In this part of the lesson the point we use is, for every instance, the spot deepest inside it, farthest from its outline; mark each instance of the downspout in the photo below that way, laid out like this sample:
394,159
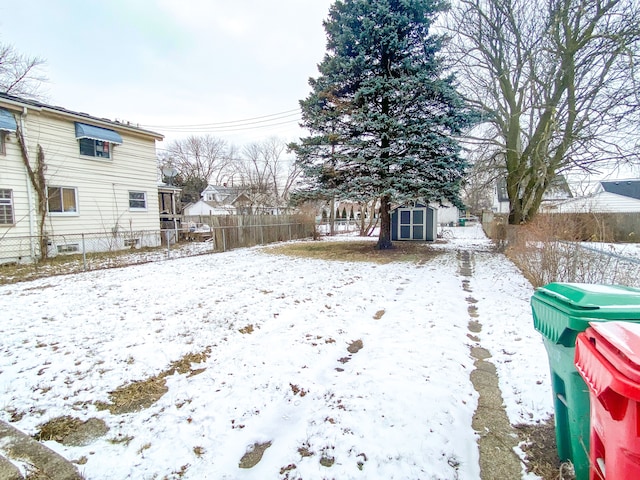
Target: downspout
31,205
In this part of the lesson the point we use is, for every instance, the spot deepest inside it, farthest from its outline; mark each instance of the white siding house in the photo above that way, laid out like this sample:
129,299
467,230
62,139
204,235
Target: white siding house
618,196
222,200
202,208
100,176
447,213
601,202
557,191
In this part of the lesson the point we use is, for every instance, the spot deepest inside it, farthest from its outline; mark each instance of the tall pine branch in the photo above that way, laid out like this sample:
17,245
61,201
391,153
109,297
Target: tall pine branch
384,114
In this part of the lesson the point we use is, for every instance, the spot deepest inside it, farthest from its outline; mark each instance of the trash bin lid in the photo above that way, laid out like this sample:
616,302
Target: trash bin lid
619,343
586,296
560,310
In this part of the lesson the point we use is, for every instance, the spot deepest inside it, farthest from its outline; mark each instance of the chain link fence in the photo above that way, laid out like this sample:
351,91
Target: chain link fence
75,253
543,253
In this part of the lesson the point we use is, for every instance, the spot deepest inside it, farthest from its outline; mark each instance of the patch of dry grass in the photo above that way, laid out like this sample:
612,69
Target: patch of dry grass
183,366
247,329
58,428
252,457
144,393
358,251
68,264
135,396
541,453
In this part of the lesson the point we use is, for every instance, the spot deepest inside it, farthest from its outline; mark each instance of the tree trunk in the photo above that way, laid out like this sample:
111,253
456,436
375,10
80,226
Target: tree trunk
332,216
384,239
42,202
38,181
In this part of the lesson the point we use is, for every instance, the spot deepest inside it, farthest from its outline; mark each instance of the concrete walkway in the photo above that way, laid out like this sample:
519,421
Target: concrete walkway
498,460
41,462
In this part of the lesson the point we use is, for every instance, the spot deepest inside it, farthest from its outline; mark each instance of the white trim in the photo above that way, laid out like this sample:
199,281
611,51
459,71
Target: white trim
8,202
411,224
138,209
69,213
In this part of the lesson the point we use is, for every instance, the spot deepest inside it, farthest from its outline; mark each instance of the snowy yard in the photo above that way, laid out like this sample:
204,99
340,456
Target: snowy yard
347,370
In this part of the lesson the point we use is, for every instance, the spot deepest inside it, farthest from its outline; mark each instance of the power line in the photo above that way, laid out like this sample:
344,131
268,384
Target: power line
232,123
236,129
243,128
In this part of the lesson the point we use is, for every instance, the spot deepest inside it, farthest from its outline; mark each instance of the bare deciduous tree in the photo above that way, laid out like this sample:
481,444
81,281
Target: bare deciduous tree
20,74
199,160
268,171
264,168
557,81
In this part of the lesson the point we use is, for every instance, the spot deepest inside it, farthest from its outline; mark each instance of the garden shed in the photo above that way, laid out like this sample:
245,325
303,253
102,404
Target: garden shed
417,223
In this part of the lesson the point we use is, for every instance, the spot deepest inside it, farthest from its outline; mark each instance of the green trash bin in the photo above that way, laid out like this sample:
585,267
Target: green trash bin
560,312
462,222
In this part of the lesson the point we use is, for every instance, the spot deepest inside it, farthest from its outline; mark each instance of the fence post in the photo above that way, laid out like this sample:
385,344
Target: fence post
290,233
84,255
166,234
224,240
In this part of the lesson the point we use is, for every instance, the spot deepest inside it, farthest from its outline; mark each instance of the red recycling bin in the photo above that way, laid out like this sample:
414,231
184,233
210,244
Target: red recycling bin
608,358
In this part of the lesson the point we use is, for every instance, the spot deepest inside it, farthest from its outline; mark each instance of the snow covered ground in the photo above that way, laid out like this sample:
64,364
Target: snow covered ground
279,370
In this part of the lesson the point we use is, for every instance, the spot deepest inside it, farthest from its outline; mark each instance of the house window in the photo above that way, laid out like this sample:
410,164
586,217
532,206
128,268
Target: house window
137,200
62,200
69,248
6,206
3,139
132,242
95,148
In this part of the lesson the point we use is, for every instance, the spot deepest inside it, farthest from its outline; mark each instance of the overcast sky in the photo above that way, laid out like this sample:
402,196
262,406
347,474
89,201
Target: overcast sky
176,63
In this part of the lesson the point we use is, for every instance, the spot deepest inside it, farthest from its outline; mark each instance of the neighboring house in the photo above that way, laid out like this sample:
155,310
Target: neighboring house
222,194
202,208
100,177
501,202
221,200
626,188
617,196
558,191
448,214
414,222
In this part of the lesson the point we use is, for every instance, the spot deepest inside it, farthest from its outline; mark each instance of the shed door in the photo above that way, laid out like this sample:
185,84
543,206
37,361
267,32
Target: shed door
411,224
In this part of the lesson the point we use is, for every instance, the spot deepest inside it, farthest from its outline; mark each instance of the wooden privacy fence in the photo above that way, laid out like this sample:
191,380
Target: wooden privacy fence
226,232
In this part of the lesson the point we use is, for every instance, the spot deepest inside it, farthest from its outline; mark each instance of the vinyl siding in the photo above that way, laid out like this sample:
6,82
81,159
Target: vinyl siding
13,176
103,185
603,202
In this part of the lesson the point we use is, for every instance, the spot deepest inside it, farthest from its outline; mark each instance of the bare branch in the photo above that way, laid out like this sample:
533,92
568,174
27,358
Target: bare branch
21,75
557,81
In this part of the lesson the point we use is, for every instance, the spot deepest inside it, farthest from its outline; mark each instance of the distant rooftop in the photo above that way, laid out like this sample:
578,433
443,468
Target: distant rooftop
627,188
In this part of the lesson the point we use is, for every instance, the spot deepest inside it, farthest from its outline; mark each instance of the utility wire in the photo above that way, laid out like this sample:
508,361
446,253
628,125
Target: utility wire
239,128
232,123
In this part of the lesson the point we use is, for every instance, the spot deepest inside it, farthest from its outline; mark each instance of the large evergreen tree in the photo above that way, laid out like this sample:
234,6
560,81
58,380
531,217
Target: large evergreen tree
383,114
